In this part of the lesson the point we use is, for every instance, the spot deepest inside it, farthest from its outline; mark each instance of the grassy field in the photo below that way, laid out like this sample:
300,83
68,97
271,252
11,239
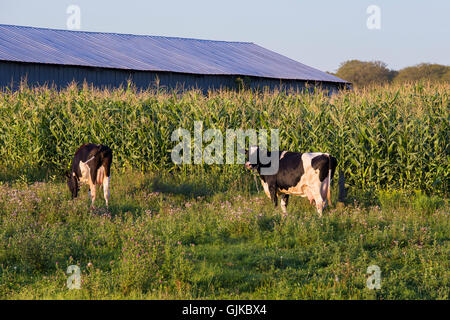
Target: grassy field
204,232
164,238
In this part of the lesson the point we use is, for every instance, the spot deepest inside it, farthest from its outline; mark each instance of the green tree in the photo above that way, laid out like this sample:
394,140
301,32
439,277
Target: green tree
362,73
424,71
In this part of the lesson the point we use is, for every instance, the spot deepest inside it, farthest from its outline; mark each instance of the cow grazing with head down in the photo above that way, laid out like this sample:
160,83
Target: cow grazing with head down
303,174
91,165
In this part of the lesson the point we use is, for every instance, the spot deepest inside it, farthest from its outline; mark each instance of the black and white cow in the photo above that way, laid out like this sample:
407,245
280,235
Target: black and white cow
303,174
91,165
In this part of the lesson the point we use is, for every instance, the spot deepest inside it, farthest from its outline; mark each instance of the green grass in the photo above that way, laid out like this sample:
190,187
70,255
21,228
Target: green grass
211,237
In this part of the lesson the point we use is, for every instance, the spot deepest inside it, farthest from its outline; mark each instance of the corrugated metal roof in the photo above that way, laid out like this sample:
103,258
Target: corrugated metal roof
150,53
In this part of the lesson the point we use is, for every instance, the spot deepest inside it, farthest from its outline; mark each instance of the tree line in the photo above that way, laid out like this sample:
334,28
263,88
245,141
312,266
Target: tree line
363,73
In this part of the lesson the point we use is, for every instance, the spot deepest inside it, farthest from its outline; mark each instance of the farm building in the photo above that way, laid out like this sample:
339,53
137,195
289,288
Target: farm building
58,57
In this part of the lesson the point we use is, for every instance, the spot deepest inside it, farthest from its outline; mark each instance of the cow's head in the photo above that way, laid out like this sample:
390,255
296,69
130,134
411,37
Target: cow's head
261,160
72,183
252,158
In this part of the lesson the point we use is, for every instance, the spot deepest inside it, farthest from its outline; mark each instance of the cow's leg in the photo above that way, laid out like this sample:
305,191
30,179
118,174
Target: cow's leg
315,192
106,189
266,188
319,202
273,195
309,194
324,191
92,192
93,177
284,203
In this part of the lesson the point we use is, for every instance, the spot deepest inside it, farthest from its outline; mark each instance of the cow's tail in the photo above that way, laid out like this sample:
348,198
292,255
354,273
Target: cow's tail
329,181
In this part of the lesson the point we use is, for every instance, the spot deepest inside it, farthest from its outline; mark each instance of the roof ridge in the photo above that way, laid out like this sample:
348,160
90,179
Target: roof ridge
123,34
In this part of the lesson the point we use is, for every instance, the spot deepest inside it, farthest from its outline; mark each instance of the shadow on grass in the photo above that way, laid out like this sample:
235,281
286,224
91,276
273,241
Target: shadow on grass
242,268
193,188
29,175
119,209
187,189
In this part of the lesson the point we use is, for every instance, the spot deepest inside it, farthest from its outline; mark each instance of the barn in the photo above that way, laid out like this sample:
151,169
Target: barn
58,57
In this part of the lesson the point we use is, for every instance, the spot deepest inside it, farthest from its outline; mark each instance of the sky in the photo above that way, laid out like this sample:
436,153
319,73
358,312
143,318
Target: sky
319,33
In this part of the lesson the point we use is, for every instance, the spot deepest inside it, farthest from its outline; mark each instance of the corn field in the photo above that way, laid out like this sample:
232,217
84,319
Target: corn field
383,137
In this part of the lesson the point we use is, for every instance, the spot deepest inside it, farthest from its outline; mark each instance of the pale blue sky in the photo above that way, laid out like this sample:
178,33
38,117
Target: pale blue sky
321,34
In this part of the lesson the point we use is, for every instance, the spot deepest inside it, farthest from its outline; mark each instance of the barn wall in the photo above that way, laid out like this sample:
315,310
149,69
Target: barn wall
11,74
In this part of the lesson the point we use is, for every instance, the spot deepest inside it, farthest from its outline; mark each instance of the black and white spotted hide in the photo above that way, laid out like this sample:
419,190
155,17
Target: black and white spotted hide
91,165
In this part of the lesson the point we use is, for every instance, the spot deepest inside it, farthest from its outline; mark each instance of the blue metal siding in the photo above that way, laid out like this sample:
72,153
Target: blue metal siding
150,53
61,76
